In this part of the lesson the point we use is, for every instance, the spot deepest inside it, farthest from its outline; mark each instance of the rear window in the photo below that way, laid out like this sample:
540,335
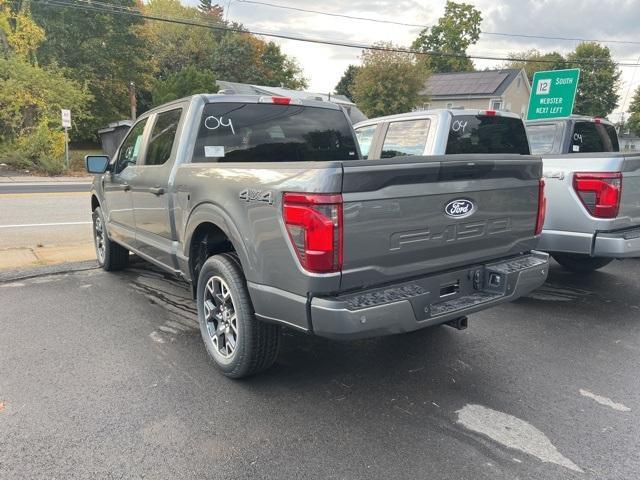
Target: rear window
593,137
258,132
484,134
543,137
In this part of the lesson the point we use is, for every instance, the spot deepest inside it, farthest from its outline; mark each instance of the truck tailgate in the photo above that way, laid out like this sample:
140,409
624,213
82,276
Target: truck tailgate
630,201
395,225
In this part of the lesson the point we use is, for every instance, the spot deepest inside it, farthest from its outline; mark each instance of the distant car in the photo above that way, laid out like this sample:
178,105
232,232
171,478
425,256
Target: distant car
593,192
265,205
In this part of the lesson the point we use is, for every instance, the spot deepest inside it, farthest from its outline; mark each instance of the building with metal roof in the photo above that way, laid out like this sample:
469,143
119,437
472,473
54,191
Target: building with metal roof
506,90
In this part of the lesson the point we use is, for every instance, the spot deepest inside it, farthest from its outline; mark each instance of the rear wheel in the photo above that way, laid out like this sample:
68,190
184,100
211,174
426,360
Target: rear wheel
110,255
581,263
238,343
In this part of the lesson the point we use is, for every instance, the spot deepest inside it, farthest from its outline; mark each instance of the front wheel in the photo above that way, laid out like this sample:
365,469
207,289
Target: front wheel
238,343
110,255
581,263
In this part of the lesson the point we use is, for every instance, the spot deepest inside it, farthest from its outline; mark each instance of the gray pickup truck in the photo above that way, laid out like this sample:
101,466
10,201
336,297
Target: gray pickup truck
593,192
265,205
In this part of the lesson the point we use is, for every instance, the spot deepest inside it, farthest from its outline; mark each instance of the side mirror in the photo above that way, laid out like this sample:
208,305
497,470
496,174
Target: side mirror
96,164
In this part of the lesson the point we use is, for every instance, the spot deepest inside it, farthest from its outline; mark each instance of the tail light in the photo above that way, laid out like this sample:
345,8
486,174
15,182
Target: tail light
489,113
542,208
599,192
314,224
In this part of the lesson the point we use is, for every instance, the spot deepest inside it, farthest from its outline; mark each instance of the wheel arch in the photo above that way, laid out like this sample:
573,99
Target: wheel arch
211,229
95,203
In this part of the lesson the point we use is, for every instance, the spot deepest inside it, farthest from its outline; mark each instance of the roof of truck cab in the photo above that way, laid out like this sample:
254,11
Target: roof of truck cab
570,118
224,98
429,113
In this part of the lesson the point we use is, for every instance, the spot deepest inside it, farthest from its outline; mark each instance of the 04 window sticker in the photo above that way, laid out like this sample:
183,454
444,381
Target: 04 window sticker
213,123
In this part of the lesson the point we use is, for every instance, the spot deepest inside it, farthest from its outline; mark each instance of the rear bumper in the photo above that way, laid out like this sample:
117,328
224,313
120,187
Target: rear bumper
621,244
618,244
427,301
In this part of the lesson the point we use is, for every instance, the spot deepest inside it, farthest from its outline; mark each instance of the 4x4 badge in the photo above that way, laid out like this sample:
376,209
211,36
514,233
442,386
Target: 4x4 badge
250,195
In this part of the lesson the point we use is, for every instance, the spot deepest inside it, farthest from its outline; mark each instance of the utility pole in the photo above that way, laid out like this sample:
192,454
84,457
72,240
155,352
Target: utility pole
132,99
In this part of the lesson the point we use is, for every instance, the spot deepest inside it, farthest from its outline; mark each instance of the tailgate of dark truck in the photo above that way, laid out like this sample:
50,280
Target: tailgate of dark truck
411,216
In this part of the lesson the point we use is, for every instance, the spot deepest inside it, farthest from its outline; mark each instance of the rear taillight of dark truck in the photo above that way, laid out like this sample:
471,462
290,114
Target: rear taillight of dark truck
599,192
314,225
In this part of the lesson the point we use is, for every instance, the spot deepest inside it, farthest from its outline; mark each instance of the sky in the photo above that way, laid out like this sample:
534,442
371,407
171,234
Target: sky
323,65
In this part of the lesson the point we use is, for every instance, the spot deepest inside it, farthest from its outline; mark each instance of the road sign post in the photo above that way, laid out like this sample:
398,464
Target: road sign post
553,93
66,124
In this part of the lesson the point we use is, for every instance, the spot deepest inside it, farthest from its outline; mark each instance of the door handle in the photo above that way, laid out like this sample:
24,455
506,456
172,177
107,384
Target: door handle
157,191
126,187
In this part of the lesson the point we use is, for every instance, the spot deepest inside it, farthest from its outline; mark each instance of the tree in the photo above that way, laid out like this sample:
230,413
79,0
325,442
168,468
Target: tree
599,79
208,8
541,61
104,51
174,46
186,82
633,123
242,57
458,28
31,96
388,82
345,85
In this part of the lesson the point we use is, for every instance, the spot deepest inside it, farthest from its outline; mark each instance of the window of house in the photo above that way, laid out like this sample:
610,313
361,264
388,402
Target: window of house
162,137
405,138
450,105
426,106
496,104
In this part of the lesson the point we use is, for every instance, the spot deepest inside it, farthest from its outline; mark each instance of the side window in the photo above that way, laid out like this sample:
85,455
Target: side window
130,149
542,138
405,138
162,137
365,137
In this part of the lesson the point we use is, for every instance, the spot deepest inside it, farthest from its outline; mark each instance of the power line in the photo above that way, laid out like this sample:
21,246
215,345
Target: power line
102,7
404,24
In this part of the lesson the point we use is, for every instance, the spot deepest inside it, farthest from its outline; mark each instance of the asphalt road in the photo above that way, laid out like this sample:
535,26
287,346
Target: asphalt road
33,219
105,376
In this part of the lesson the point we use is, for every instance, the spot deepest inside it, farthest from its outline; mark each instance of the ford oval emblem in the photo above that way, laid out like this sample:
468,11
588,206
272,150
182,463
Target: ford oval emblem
460,208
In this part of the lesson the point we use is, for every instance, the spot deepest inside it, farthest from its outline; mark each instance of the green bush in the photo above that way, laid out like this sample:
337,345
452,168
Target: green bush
41,150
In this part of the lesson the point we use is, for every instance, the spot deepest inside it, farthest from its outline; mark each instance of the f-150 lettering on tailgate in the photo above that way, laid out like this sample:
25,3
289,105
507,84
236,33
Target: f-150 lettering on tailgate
450,233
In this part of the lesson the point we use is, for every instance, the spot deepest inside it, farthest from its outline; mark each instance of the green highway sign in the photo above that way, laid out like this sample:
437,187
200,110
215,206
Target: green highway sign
553,93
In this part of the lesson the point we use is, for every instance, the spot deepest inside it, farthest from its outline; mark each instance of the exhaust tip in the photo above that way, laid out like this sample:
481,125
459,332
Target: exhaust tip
459,323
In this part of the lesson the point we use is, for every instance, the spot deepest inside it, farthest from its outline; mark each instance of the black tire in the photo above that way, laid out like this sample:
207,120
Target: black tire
581,263
255,343
113,256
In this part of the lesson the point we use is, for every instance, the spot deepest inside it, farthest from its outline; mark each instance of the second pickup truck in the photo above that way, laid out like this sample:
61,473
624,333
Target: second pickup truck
593,192
265,205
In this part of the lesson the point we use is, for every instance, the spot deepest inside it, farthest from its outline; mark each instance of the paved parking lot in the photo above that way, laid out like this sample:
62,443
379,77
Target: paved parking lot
105,376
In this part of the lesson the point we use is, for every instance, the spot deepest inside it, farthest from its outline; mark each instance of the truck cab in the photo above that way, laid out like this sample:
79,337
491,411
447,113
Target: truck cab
443,132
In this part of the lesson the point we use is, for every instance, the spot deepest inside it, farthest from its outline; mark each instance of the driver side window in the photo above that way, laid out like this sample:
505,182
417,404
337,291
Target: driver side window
130,149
